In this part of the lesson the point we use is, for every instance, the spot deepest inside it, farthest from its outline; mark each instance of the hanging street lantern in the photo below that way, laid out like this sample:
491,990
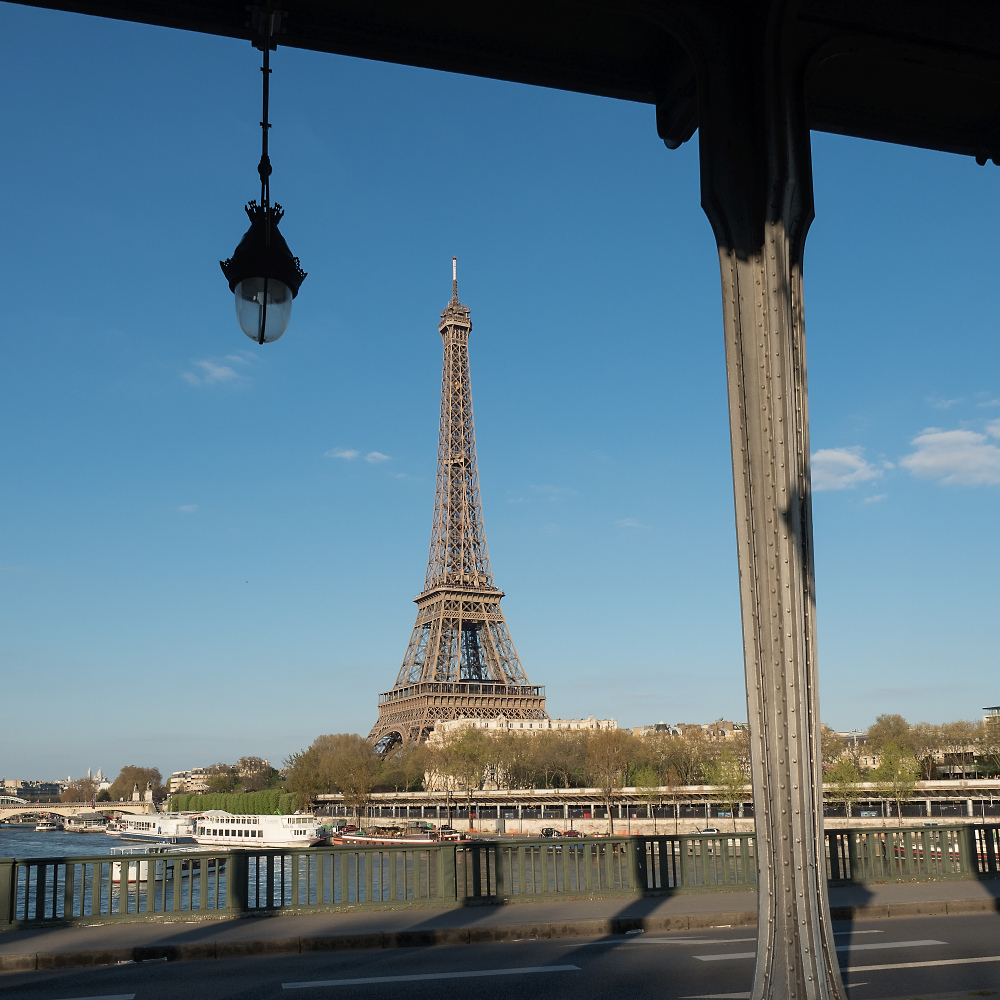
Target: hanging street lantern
262,273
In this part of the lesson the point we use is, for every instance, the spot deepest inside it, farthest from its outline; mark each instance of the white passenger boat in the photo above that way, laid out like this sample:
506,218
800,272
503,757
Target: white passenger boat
47,826
216,828
136,869
165,828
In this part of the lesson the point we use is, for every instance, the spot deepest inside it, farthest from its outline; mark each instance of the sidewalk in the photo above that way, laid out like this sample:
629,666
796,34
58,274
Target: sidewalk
107,944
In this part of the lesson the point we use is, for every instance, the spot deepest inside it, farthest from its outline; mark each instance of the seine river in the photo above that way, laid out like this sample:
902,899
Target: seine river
23,842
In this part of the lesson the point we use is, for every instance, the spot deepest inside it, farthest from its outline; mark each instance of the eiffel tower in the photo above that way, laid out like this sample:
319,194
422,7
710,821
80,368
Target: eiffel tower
460,660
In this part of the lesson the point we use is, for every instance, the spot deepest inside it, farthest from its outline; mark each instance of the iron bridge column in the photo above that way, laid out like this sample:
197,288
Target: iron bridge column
757,192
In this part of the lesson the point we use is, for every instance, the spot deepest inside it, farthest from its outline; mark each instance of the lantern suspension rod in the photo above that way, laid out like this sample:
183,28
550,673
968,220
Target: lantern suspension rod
264,167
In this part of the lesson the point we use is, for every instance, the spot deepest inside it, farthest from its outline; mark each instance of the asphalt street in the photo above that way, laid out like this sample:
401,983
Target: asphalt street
915,957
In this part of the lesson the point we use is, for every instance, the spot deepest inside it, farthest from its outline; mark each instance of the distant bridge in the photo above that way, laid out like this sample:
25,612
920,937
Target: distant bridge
10,806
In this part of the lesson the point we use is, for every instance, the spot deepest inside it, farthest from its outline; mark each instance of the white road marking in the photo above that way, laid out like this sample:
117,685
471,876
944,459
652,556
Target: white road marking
647,941
109,996
719,996
690,941
852,933
924,965
474,974
730,956
887,944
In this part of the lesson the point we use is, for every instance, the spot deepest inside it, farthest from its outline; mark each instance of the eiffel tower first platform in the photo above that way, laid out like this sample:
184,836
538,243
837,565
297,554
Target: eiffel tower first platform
460,660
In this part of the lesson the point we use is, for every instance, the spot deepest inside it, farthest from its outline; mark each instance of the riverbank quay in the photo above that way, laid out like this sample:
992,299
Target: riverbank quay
180,940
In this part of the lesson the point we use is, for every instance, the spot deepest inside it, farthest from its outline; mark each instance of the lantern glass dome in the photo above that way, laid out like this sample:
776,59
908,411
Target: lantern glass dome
263,308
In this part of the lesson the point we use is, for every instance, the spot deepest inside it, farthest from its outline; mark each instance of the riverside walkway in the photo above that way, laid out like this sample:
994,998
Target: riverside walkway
109,944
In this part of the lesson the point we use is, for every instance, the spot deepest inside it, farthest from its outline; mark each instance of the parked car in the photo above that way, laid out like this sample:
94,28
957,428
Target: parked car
548,831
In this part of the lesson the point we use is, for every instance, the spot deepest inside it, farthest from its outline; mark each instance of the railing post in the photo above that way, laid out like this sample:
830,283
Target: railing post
237,881
968,857
499,879
474,856
989,835
8,871
637,848
449,883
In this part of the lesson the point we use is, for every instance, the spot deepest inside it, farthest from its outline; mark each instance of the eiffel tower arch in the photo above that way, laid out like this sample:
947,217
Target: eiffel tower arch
461,660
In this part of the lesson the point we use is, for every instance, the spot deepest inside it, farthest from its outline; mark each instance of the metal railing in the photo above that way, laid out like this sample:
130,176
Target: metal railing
855,857
193,884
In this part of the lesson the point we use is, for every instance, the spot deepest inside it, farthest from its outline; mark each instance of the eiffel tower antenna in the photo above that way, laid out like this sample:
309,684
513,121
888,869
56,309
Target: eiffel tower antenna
460,660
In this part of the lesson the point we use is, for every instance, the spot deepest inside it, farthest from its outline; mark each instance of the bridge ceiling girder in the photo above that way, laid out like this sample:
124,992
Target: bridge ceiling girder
915,72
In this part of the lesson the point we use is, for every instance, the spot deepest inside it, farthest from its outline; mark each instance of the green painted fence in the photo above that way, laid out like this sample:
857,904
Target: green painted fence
192,884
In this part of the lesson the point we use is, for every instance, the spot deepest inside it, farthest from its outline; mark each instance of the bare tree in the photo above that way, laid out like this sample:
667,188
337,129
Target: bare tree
131,777
897,775
81,790
608,755
729,779
255,774
831,745
890,728
222,777
845,777
465,761
989,744
927,743
343,762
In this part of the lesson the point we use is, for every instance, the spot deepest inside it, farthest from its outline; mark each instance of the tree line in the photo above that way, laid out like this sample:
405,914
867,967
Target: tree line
248,774
908,753
129,777
471,759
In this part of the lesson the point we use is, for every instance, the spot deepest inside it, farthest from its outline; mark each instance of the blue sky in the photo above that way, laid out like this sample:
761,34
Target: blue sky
190,573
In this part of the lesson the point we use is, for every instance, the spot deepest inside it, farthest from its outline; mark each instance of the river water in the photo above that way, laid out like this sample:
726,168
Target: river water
23,842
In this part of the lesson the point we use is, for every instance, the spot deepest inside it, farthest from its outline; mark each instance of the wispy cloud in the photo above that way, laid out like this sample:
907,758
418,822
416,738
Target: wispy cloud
988,402
958,458
554,493
940,402
349,454
630,522
188,508
841,469
217,371
878,498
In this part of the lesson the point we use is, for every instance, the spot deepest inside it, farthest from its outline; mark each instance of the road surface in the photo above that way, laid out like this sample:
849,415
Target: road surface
915,957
